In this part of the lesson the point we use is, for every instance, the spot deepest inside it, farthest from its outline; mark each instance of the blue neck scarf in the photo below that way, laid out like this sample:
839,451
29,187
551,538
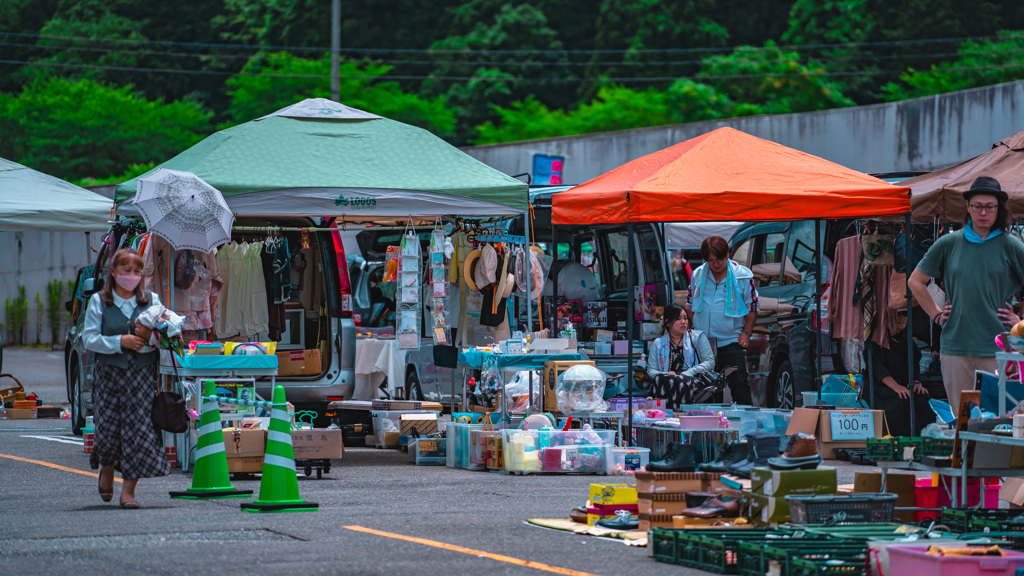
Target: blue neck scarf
734,305
975,238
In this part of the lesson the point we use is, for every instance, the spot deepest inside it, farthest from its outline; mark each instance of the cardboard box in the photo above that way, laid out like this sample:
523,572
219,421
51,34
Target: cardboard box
987,455
688,522
819,423
1012,491
902,485
423,423
552,370
604,494
21,413
299,363
674,482
245,449
768,482
390,439
768,509
655,521
318,443
661,503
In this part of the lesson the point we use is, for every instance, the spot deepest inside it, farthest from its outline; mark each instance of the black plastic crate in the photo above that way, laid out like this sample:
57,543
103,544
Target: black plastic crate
868,507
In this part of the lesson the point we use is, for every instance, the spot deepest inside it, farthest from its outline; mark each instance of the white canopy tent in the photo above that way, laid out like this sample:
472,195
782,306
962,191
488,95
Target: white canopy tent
31,200
685,235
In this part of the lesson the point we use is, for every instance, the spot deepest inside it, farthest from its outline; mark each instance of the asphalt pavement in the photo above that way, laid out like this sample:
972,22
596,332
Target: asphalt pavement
53,521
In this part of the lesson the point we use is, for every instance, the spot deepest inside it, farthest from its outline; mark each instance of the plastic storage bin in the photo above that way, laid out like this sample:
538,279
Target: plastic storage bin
928,496
521,450
460,445
837,399
630,460
378,417
916,560
429,451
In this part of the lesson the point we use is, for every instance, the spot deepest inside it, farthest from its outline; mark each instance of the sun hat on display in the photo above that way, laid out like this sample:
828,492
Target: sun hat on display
486,270
467,270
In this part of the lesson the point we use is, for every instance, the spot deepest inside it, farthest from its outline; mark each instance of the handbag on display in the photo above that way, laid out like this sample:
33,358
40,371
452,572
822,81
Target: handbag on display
168,413
709,378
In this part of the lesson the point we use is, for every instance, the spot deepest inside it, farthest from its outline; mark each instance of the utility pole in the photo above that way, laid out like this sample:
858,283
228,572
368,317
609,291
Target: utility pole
335,50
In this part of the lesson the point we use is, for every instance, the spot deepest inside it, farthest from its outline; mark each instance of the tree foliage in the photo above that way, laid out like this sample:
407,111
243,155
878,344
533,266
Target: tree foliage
272,81
80,128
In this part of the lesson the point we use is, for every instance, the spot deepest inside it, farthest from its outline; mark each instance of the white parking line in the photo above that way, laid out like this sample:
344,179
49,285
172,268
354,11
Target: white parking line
55,439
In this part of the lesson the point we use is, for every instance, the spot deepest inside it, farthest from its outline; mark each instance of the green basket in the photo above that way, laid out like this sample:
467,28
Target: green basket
880,449
941,447
916,442
663,544
996,525
809,567
716,551
961,519
755,557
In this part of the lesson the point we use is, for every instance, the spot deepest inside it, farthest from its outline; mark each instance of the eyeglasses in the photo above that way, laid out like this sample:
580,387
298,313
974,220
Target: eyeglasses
982,208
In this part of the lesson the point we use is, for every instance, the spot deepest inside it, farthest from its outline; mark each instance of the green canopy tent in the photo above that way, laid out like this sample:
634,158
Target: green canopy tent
322,158
31,200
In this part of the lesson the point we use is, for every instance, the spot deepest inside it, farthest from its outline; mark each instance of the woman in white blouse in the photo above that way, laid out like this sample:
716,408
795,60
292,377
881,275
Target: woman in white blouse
124,381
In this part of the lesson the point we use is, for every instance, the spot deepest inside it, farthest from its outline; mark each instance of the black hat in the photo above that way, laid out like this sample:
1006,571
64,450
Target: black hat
986,185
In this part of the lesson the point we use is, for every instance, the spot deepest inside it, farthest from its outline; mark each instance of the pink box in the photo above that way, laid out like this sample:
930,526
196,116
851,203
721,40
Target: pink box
928,496
620,348
916,560
656,404
691,422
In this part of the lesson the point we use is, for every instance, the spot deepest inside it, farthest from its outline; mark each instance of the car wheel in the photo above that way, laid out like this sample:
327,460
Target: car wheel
785,393
412,387
77,404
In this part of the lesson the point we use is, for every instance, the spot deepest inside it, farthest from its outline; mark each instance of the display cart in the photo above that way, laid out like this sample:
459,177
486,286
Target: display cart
233,368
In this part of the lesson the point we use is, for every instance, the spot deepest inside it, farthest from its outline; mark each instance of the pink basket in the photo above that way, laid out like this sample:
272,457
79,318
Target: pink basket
916,560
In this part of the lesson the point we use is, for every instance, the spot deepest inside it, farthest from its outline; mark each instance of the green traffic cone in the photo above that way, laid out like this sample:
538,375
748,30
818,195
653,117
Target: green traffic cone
279,487
210,478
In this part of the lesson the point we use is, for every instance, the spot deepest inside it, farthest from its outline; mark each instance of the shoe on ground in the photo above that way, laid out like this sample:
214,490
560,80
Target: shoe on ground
679,458
623,521
801,453
728,455
714,508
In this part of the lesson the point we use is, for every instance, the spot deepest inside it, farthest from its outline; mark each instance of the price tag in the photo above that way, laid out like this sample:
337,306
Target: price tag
428,445
852,425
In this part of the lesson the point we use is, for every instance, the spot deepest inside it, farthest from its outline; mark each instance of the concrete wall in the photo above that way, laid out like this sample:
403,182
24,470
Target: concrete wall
923,134
33,259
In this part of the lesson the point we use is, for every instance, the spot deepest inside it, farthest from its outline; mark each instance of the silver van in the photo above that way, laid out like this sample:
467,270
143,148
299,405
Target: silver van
322,322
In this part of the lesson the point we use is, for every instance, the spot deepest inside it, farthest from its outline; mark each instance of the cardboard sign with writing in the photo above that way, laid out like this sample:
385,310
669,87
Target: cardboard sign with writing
968,399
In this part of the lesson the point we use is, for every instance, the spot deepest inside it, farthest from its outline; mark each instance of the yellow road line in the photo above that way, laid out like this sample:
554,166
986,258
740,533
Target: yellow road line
56,466
471,552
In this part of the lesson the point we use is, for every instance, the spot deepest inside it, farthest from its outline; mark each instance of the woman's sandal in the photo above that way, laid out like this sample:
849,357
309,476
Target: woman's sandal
108,494
129,504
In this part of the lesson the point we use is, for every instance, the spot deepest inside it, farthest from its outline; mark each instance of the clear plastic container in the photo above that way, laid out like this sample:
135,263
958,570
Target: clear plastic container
545,450
837,399
631,460
460,446
377,417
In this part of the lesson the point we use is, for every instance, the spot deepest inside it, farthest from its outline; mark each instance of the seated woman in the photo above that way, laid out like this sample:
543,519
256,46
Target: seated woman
676,358
892,379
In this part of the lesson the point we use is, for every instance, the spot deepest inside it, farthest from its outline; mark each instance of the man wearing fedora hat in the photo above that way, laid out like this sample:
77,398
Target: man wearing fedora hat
982,268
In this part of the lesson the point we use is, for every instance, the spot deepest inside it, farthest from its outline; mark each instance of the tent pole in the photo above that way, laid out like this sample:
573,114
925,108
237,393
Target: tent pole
911,369
553,320
630,315
529,293
817,311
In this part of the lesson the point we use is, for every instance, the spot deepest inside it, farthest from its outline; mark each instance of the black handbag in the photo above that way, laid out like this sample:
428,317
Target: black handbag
709,378
169,413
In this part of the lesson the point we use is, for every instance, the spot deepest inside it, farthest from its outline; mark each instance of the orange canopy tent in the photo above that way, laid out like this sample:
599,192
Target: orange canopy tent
727,174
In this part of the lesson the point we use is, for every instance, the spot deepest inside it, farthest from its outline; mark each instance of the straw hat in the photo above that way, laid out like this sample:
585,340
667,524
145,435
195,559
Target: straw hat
486,270
467,270
507,281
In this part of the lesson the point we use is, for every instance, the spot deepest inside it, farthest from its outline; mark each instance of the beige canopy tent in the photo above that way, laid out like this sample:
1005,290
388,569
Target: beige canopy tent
939,194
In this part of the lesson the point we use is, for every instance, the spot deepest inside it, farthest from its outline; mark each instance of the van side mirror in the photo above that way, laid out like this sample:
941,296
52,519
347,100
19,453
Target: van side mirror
91,286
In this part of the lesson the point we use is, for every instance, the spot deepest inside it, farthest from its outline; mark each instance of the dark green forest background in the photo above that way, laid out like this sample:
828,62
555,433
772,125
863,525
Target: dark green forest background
100,90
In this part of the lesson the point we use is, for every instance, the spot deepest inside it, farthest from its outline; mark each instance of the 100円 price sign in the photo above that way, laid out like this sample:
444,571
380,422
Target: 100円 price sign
852,425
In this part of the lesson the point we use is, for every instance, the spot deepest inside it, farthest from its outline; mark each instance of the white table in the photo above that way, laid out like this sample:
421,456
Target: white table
377,359
1002,358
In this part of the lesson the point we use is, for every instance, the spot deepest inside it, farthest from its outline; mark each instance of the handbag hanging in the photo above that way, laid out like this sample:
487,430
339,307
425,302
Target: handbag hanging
709,378
168,413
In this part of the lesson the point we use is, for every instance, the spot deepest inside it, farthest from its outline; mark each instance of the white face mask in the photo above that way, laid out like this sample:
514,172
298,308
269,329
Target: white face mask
127,281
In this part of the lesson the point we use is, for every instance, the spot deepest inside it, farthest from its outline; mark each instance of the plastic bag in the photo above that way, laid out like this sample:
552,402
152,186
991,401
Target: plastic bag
581,389
517,391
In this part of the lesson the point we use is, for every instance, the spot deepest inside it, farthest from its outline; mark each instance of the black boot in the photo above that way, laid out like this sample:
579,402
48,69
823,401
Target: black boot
765,446
747,458
679,460
729,454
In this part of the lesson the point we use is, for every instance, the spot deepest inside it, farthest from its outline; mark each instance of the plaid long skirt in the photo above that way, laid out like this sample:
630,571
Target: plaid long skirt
122,416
